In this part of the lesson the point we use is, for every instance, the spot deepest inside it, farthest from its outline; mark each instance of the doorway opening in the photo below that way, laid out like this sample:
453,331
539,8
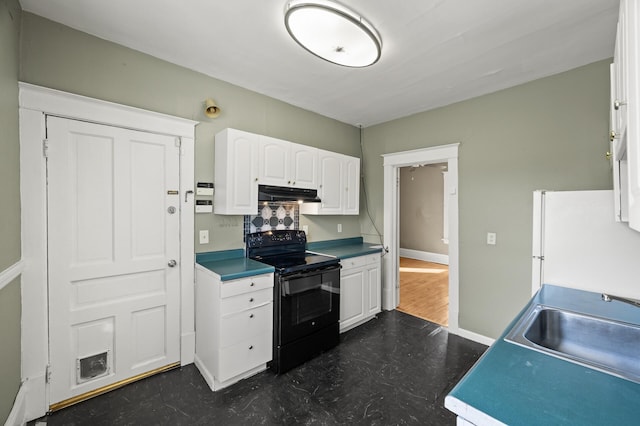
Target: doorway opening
424,249
393,162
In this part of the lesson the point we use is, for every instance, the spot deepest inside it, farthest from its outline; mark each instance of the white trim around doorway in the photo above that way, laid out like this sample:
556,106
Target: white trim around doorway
392,163
35,104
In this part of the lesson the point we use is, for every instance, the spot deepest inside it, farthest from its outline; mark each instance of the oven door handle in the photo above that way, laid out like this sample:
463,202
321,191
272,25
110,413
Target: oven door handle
310,272
288,292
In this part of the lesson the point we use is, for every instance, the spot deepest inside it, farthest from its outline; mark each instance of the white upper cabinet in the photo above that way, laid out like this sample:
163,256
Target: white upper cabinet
351,190
625,115
236,173
304,166
284,163
338,185
330,185
245,160
274,157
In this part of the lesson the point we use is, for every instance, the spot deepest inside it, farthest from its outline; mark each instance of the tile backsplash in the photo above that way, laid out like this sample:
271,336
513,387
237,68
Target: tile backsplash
272,216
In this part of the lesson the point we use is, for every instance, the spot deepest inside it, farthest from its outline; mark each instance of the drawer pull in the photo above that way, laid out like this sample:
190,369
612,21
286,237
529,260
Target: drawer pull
252,284
250,347
251,300
251,316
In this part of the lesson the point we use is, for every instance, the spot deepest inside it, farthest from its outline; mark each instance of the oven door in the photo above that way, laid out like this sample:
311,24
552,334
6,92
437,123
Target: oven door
309,302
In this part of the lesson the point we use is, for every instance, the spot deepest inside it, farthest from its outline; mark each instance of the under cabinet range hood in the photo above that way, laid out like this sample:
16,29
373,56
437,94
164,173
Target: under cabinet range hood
285,193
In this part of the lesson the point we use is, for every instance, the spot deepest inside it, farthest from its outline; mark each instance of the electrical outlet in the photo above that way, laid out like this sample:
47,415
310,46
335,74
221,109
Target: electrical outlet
491,238
204,236
339,227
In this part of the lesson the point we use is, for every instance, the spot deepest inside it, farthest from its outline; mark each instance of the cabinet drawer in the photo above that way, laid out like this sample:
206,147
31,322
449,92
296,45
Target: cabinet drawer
244,356
245,285
244,301
353,262
240,326
356,262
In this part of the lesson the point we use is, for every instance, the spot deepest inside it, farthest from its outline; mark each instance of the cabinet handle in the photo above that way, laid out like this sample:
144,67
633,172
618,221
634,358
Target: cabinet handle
251,300
608,155
256,179
250,347
252,284
612,135
617,104
251,316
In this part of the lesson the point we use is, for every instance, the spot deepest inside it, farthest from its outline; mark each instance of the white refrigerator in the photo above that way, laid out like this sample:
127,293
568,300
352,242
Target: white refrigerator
577,243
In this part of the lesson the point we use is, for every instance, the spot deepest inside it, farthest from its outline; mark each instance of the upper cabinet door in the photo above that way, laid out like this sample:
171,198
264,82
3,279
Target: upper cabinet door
236,173
304,166
275,160
351,185
338,185
330,184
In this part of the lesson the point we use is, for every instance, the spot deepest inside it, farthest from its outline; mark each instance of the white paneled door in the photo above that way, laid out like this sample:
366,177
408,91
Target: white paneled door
114,272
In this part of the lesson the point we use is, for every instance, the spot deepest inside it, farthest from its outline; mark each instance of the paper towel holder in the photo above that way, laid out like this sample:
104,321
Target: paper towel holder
211,109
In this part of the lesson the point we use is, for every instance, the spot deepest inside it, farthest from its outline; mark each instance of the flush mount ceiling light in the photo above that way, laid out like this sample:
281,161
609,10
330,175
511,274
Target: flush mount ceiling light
333,32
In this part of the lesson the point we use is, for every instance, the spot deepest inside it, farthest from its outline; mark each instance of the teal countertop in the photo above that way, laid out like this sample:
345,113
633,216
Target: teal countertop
344,248
231,264
515,385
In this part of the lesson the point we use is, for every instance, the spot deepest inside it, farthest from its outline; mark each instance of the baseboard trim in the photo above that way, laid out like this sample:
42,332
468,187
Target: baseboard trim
11,273
18,414
479,338
443,259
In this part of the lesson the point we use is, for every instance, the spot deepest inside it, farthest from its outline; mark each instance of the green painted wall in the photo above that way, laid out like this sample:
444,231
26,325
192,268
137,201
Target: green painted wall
547,134
80,63
10,13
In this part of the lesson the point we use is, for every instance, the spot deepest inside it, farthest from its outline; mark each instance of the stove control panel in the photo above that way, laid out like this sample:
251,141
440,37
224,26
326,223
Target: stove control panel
276,238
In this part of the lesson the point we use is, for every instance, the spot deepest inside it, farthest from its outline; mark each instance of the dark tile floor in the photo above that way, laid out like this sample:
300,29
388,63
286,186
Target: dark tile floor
394,370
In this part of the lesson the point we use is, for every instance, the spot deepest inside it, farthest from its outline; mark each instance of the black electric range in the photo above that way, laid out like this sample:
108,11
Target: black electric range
306,296
285,250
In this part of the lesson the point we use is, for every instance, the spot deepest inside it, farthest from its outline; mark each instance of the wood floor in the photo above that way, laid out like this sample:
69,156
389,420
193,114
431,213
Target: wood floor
424,290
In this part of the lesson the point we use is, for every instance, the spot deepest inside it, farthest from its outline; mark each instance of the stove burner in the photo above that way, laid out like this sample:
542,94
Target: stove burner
285,250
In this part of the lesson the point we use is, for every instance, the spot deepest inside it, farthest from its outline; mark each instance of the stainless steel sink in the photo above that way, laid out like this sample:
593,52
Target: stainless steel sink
605,345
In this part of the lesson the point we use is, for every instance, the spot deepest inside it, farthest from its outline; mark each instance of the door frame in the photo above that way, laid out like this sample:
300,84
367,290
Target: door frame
392,163
35,103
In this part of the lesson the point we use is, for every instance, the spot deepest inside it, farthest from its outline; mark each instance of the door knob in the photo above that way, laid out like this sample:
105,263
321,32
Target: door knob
172,263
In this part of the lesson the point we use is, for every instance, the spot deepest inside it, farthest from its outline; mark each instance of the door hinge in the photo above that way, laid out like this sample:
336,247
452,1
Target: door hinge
45,148
47,374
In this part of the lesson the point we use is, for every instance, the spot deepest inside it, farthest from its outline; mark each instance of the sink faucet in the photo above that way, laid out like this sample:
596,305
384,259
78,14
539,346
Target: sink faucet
609,298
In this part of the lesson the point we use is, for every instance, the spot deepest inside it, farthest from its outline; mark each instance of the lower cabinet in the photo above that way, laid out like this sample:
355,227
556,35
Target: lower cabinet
234,326
360,292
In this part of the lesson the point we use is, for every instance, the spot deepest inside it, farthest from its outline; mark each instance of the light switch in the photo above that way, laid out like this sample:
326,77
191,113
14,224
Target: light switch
491,238
204,236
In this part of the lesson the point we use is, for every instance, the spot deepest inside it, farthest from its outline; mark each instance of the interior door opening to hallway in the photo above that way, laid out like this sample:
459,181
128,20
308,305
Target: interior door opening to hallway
424,259
392,164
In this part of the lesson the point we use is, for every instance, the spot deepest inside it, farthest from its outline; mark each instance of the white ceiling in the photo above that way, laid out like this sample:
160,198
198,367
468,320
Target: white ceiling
435,52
